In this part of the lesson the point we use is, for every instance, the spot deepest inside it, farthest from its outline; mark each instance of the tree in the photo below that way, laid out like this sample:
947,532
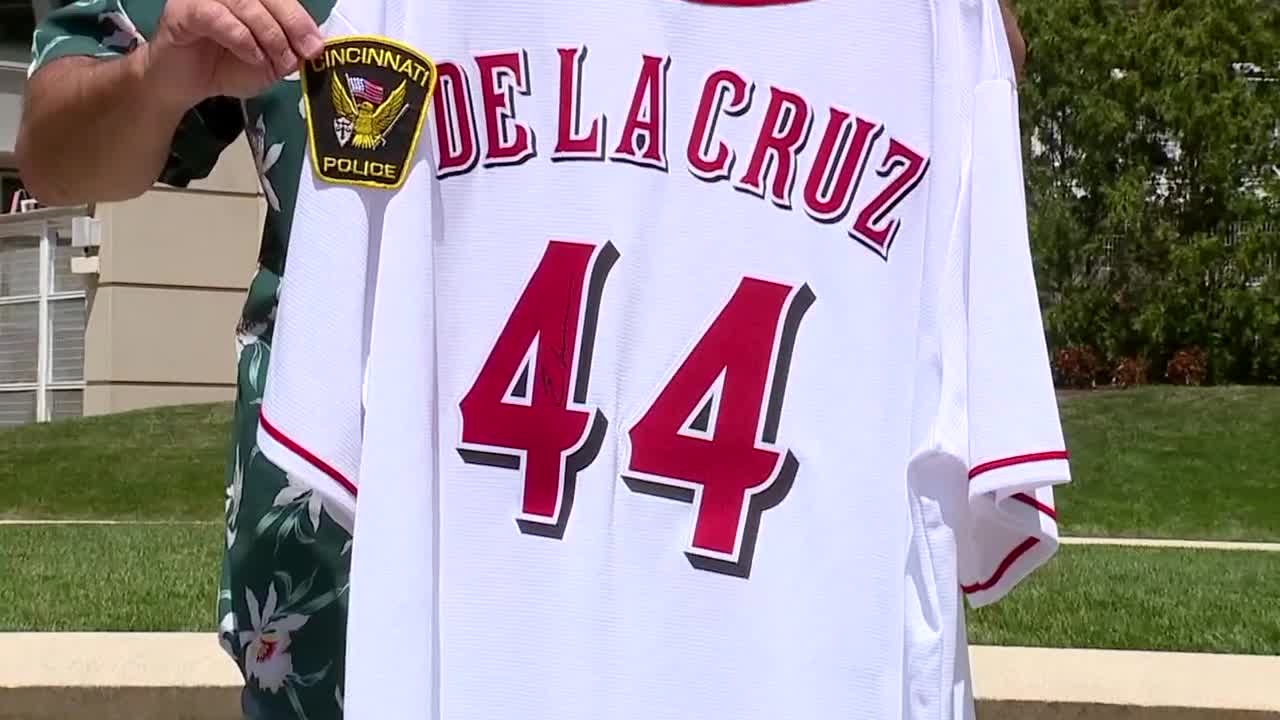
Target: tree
1153,137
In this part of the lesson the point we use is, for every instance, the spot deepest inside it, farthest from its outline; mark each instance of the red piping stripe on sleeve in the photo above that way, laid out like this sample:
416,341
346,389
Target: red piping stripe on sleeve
305,454
746,3
1028,500
1017,460
1024,498
1018,551
1008,562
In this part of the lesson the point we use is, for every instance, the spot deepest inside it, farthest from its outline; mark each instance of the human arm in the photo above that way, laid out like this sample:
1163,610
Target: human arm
91,131
1017,43
100,116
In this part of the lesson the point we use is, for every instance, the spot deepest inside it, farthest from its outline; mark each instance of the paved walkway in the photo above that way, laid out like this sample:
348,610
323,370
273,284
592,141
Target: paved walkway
1162,543
114,660
1128,677
70,662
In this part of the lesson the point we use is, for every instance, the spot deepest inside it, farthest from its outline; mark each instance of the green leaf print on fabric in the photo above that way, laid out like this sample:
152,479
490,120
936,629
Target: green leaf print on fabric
41,52
257,370
235,493
295,513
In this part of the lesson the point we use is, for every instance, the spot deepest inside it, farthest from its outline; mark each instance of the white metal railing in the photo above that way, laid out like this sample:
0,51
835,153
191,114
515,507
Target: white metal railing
47,225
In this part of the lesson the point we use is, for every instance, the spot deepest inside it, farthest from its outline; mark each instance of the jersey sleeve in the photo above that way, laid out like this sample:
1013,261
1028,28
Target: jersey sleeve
107,29
311,423
1001,414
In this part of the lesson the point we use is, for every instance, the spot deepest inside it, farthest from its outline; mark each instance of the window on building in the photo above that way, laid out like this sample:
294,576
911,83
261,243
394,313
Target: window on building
42,325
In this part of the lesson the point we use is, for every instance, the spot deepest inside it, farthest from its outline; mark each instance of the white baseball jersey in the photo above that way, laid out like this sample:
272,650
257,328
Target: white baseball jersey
705,369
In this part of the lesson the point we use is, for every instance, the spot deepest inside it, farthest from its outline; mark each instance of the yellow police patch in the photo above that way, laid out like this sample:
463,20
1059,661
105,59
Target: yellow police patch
366,99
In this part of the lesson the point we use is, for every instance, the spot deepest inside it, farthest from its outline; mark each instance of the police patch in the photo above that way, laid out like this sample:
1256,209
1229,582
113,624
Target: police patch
366,100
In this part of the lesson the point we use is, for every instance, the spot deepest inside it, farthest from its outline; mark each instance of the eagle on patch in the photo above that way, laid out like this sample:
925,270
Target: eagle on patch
365,100
362,116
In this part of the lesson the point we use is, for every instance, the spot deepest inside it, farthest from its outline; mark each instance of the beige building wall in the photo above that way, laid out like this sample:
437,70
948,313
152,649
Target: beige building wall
173,269
174,266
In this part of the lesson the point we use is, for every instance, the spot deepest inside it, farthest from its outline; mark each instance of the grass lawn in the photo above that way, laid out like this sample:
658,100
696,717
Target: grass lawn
1149,462
161,578
123,578
166,463
1190,463
1142,599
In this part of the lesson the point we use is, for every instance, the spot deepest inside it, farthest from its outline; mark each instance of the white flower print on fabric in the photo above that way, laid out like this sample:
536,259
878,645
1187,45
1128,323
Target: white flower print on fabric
125,37
227,633
250,334
265,158
235,492
267,658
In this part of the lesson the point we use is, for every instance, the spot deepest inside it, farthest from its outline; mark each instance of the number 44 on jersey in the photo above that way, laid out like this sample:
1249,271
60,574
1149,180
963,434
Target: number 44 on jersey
707,435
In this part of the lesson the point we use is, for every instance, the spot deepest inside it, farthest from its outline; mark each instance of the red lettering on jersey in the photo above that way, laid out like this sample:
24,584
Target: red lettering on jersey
724,91
455,122
571,143
527,409
745,3
783,133
709,436
502,75
647,117
868,229
837,170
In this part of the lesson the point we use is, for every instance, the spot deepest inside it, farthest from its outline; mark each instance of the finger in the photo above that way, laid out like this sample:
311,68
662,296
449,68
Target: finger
267,32
216,22
299,28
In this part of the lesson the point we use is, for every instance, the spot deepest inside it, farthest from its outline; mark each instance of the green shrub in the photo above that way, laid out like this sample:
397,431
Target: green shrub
1152,137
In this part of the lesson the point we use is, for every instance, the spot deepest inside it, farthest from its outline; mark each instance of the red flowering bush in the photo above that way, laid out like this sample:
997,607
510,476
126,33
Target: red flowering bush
1189,366
1076,367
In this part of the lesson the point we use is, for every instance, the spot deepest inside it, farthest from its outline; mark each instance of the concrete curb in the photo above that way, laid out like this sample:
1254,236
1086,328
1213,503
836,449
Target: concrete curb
1181,544
116,676
1228,685
127,703
186,676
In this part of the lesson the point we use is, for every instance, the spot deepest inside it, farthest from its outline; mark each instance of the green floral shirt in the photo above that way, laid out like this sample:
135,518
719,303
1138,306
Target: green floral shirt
281,608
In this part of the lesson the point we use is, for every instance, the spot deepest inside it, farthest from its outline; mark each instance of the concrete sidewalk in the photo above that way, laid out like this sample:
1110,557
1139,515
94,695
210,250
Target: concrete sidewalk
185,676
1176,544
